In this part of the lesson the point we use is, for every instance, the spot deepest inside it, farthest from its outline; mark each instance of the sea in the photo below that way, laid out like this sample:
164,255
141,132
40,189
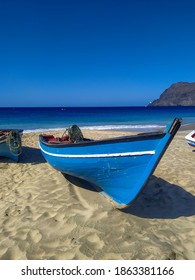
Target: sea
142,119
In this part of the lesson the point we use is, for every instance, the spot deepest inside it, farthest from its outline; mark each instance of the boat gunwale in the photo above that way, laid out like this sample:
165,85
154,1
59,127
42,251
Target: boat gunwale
190,136
3,137
91,142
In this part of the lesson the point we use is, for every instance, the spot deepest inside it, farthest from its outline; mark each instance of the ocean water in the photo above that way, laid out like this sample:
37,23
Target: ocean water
100,118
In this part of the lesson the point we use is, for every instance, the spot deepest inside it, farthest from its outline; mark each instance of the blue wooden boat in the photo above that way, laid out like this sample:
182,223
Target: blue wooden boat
118,167
10,143
191,138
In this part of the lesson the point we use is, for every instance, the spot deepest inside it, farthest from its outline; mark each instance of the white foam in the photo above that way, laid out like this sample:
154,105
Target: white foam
104,127
42,130
123,127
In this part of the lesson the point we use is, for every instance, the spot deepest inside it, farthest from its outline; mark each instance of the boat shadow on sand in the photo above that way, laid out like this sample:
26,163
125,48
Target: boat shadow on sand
159,199
162,200
29,155
80,183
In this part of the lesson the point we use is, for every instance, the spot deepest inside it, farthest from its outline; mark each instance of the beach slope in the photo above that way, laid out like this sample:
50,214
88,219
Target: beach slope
44,216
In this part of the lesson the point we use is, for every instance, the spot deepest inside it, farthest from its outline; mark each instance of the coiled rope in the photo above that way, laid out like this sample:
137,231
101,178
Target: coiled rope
14,142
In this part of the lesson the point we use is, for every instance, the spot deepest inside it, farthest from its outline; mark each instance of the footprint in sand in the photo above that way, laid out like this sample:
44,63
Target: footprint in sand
95,240
35,235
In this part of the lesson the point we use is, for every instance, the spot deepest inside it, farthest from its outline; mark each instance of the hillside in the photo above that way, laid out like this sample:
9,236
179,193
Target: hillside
178,94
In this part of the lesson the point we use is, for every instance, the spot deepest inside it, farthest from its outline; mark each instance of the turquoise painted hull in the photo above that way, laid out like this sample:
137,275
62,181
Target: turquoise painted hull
118,167
7,149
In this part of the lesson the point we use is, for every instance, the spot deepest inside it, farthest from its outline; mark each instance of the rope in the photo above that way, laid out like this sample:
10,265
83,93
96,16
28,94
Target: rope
14,142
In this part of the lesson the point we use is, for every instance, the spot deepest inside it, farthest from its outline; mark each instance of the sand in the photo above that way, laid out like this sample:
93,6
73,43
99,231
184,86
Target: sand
43,216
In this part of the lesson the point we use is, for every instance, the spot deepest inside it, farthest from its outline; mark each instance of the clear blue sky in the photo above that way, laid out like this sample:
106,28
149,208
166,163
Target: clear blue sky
94,52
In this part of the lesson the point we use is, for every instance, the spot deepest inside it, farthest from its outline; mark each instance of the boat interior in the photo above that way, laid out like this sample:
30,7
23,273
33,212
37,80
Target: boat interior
59,140
55,140
2,133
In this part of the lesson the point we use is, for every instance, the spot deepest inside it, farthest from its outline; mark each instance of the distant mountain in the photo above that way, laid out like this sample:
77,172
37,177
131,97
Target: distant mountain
178,94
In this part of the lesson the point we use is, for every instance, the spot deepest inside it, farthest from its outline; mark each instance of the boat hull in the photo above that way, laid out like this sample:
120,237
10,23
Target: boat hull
191,138
10,147
118,167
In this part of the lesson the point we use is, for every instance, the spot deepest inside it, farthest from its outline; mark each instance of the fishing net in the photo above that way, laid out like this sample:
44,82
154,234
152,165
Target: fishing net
14,142
74,133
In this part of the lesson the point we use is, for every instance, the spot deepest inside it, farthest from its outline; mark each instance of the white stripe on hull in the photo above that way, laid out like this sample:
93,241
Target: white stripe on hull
100,155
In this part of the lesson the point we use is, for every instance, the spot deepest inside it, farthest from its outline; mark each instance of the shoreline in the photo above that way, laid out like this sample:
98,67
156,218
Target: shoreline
44,216
136,129
187,127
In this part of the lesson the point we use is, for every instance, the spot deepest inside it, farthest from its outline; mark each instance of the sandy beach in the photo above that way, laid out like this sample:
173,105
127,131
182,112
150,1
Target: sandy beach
43,216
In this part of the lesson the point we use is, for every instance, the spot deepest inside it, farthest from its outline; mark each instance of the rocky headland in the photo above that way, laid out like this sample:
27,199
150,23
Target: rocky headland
178,94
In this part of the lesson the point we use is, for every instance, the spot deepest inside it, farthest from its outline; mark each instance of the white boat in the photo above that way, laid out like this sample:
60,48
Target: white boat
191,138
